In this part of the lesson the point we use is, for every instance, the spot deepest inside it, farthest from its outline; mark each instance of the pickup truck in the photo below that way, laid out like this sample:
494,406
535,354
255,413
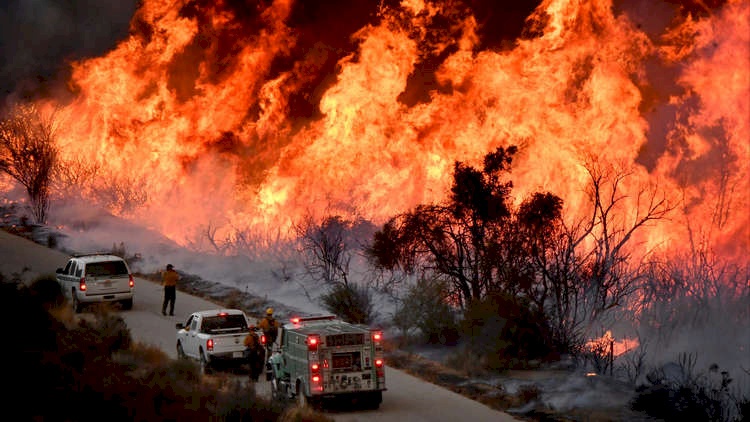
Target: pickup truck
214,338
323,358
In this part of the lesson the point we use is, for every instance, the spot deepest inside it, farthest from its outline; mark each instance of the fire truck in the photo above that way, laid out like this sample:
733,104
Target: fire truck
322,358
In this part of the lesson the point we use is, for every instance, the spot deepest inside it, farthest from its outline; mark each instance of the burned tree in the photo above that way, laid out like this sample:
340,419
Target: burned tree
29,155
587,270
328,248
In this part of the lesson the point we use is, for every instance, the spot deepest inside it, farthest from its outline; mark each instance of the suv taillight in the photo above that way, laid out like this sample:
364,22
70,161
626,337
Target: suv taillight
263,339
131,282
82,284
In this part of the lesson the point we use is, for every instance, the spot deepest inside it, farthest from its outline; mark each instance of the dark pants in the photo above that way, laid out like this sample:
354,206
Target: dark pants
170,292
256,360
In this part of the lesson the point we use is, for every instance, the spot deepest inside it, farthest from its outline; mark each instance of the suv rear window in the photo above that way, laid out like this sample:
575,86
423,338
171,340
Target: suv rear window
224,323
106,268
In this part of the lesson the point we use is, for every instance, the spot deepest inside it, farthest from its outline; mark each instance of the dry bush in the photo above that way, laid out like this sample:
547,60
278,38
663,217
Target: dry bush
352,302
426,311
505,333
306,414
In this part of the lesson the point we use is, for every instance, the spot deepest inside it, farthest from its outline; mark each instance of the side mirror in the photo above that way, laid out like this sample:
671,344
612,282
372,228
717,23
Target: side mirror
179,326
59,271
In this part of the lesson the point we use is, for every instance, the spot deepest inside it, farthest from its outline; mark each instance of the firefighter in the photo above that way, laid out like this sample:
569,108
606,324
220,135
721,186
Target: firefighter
254,353
270,328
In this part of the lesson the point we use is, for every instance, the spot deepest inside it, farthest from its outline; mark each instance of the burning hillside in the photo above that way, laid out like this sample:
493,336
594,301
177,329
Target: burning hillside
249,115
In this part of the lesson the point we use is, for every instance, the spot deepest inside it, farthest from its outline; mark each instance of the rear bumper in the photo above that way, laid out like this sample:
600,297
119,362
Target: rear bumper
235,357
109,297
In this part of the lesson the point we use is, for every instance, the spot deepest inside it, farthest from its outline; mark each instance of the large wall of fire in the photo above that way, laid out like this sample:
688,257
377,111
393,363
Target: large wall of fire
251,115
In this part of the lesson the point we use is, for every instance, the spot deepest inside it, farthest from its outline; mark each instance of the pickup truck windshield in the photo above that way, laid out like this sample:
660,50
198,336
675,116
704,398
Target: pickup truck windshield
225,323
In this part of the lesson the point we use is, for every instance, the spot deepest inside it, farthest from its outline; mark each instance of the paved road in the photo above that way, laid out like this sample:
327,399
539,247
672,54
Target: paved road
407,398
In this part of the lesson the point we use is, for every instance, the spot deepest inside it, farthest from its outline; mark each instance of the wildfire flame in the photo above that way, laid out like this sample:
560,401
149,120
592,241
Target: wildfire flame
200,106
608,344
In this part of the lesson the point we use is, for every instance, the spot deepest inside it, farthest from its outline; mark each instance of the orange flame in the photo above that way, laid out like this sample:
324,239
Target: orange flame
204,125
607,343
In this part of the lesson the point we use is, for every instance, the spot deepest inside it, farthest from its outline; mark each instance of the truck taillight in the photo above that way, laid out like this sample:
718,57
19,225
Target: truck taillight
82,284
210,344
380,371
263,339
131,282
315,377
312,343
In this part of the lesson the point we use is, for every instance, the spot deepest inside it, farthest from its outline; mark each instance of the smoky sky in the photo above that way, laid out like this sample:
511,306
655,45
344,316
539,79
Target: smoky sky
38,38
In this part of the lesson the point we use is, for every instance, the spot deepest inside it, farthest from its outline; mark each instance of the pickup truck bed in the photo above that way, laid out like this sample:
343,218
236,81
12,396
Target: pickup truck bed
215,338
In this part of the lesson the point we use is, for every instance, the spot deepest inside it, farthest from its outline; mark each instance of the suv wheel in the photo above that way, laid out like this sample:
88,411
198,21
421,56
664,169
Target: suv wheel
77,306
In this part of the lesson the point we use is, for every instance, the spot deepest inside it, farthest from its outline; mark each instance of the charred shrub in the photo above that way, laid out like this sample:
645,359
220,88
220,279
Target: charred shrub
351,302
505,332
425,308
675,392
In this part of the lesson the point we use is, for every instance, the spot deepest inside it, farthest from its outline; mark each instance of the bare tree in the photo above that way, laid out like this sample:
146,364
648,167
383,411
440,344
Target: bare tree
75,177
584,271
28,153
612,274
326,249
122,194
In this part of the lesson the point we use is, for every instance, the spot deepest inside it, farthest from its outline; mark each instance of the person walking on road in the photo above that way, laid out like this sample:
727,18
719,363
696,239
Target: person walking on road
169,280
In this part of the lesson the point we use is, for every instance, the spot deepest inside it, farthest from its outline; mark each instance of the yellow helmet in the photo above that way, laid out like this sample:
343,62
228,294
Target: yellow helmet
269,311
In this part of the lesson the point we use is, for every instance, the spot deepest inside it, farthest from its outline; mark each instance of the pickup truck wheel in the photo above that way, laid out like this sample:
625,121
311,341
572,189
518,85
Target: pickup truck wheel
205,366
127,304
180,352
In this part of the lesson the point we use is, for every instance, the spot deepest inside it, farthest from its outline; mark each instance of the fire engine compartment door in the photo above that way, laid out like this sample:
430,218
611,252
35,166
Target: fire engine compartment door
346,362
348,374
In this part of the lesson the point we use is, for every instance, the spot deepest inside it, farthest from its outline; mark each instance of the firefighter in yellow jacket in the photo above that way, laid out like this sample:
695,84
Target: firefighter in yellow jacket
169,279
270,328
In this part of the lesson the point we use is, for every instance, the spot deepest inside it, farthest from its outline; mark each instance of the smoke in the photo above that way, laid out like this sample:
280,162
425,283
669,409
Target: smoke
38,39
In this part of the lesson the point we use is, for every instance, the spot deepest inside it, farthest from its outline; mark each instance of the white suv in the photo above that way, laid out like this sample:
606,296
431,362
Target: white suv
97,278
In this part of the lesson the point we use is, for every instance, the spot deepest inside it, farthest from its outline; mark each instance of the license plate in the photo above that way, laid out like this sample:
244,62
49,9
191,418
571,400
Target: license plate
237,355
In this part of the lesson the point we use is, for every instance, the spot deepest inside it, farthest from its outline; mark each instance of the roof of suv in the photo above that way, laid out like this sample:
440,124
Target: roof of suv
97,257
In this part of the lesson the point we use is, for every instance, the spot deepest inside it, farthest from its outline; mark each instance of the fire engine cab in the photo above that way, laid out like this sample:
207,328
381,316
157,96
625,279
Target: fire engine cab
322,357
